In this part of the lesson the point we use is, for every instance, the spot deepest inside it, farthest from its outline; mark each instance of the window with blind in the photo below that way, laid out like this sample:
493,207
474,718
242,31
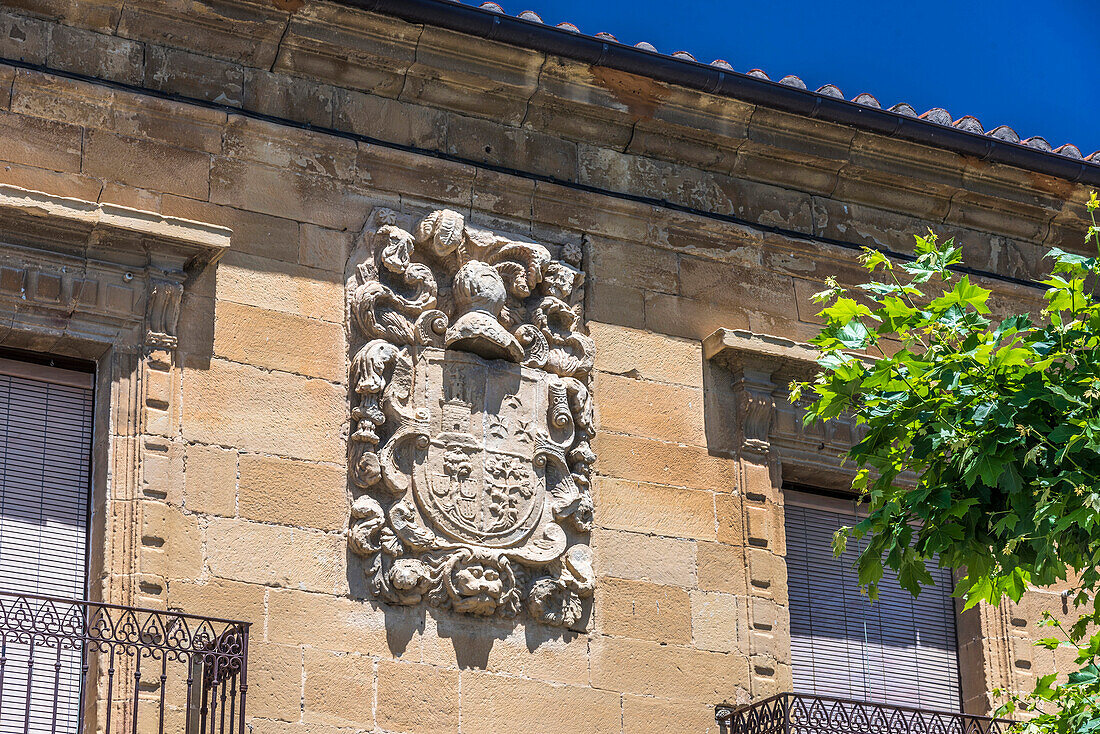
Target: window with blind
898,650
45,454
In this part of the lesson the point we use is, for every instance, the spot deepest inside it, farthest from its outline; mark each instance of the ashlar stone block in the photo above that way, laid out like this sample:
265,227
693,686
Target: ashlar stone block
642,610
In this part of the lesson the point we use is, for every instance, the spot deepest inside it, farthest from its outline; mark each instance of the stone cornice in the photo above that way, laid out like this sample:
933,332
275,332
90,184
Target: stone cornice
681,69
737,349
768,425
94,272
74,225
536,111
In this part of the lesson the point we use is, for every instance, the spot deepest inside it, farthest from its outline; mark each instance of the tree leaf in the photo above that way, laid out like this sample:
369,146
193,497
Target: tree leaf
981,448
964,294
853,334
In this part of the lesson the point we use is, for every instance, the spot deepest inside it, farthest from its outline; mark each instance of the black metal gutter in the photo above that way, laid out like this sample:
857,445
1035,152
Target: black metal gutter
705,78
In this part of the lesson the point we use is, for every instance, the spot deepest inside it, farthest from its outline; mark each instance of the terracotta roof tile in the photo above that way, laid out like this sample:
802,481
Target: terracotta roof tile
904,108
867,100
1039,143
937,115
1070,151
969,123
1004,132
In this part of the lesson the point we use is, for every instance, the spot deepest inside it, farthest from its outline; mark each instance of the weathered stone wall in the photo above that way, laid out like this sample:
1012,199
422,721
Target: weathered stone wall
246,494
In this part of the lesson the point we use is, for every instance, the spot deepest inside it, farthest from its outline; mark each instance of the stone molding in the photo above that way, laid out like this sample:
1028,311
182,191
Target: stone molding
470,444
425,74
776,448
768,425
104,283
97,272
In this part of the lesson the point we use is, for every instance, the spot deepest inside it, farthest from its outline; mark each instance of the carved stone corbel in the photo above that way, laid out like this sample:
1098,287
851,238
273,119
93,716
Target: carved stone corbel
755,408
162,313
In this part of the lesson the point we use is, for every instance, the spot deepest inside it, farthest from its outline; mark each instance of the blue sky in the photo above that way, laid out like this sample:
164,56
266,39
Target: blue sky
1033,66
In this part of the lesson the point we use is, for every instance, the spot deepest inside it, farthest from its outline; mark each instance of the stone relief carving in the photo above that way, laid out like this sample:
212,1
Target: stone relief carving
756,406
162,313
470,446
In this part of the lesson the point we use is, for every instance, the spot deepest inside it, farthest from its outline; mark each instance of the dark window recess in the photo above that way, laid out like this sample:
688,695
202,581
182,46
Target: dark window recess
45,451
897,650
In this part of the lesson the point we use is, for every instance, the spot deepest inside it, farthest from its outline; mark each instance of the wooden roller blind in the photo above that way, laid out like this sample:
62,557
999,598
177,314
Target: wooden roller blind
898,650
45,450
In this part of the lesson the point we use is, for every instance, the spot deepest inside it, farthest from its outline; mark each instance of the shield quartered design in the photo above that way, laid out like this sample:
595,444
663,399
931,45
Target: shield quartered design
480,481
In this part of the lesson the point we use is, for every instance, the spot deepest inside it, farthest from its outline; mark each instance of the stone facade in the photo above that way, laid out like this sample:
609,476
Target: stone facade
636,241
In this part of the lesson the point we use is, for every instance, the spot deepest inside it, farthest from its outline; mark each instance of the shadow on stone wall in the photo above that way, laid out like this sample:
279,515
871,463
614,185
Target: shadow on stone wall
719,410
467,641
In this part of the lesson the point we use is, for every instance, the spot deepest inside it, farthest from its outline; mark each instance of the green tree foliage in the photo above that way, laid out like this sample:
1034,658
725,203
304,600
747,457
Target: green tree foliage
983,442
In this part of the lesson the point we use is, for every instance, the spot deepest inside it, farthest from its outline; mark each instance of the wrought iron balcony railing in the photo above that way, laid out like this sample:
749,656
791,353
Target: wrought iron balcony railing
790,713
79,666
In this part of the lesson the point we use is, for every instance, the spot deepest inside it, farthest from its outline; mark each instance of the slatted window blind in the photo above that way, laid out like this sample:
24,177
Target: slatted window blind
898,650
45,449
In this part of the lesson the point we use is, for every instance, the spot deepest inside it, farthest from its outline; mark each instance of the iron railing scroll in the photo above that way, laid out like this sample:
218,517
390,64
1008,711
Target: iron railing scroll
70,666
790,713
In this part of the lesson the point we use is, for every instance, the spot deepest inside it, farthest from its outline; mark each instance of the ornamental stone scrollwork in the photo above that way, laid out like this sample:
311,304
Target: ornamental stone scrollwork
163,313
471,421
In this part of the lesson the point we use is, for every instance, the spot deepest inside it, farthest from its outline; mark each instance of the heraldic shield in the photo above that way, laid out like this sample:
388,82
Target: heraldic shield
470,448
483,476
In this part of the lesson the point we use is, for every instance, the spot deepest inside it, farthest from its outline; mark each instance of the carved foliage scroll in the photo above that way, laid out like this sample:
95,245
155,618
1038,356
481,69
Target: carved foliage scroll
470,445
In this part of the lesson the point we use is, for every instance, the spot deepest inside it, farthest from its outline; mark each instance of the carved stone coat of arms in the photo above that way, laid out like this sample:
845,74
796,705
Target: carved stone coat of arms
470,445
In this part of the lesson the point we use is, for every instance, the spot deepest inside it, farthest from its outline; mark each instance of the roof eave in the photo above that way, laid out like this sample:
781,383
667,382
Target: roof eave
714,80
